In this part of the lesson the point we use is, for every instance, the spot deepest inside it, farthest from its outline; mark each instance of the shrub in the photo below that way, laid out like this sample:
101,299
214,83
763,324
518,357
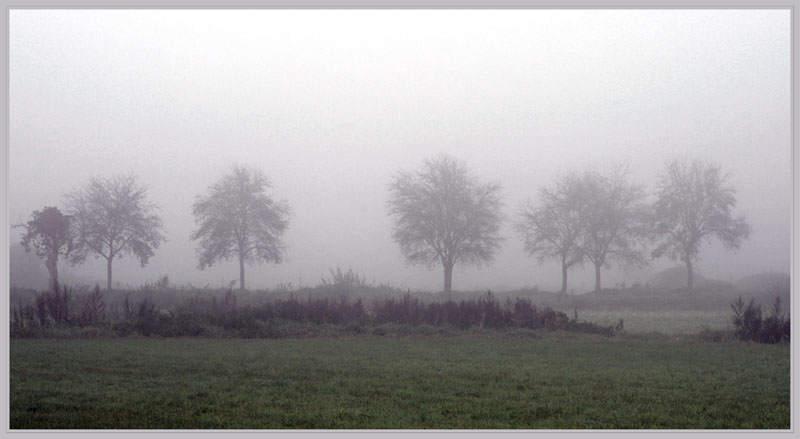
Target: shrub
202,314
342,284
750,324
224,307
159,285
53,305
23,319
350,279
190,325
486,312
93,310
776,327
746,319
143,316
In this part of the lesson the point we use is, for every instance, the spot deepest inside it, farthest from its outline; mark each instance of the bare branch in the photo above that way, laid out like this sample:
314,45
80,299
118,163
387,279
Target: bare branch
694,204
444,215
112,217
238,219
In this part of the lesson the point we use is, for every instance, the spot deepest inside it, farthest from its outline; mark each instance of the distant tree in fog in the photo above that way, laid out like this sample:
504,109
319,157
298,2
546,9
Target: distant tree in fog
444,215
694,204
112,218
613,227
49,235
552,227
237,219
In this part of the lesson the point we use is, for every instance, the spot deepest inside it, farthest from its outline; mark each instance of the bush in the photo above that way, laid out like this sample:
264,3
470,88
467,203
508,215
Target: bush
486,312
23,317
208,315
93,310
750,323
53,305
776,326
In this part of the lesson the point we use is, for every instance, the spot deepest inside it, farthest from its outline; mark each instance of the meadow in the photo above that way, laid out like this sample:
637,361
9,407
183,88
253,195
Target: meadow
343,356
517,379
663,322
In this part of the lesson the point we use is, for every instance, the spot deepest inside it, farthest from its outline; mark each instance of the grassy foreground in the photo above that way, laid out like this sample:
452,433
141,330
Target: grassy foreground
483,381
665,322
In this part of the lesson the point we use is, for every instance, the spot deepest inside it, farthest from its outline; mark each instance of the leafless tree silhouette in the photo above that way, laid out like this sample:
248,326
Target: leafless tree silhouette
614,227
444,215
552,227
112,218
238,219
694,204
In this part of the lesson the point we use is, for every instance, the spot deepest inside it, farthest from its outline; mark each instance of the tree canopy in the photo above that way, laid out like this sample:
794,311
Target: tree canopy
112,218
694,204
237,219
49,235
444,215
613,229
552,227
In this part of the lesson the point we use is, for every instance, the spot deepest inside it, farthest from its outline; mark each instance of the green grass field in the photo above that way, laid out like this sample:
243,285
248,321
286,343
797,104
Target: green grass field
468,381
665,322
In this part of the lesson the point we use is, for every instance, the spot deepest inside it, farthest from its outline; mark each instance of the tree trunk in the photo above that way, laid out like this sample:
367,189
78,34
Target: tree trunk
241,273
564,278
448,278
597,278
52,268
690,280
108,287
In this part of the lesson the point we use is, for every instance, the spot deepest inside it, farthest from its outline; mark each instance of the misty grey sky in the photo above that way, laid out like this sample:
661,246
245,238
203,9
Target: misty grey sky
330,104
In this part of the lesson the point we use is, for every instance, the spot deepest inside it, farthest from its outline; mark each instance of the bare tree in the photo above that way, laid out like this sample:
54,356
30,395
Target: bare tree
444,215
112,218
553,227
614,227
49,234
238,219
694,205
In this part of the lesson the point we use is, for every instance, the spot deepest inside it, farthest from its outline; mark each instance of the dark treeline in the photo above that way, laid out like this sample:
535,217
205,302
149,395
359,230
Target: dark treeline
347,304
60,310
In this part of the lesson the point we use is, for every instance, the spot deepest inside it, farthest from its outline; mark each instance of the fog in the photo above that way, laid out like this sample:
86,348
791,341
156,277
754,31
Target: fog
331,104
